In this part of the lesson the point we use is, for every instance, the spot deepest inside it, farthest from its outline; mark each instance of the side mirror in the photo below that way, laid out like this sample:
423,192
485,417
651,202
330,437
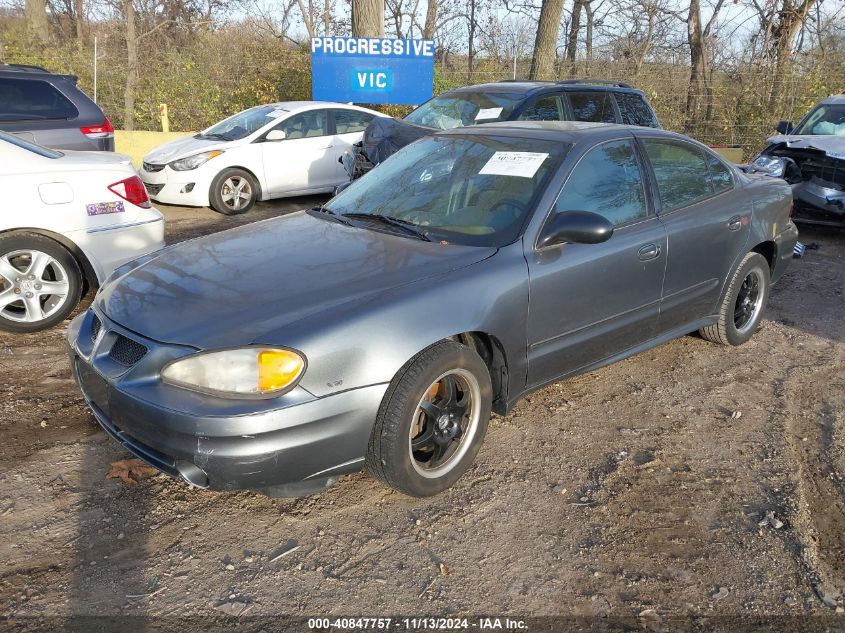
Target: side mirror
576,227
276,135
784,127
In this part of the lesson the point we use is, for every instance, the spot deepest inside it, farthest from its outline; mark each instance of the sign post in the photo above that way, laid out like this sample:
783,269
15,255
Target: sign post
372,70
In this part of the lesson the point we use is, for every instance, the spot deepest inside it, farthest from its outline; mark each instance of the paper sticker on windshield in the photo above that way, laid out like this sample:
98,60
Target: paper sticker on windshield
522,164
277,114
488,113
104,208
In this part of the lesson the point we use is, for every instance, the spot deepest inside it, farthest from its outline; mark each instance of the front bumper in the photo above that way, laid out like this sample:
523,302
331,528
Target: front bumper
218,443
187,188
817,204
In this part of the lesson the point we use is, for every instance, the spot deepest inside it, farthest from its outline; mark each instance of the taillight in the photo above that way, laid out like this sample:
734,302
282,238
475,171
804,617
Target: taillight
98,131
132,190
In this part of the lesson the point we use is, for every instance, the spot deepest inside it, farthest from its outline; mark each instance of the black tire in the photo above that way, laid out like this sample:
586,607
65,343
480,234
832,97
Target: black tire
13,249
736,325
389,454
220,188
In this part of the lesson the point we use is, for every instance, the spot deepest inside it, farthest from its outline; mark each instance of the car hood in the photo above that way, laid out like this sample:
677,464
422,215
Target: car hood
182,147
232,288
833,146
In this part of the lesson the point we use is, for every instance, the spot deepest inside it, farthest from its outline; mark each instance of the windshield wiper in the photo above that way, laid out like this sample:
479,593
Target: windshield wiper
219,135
337,216
408,227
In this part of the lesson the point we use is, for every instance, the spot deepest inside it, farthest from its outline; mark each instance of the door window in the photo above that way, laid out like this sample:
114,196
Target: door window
305,125
634,109
594,106
32,99
349,121
681,172
720,175
543,109
607,181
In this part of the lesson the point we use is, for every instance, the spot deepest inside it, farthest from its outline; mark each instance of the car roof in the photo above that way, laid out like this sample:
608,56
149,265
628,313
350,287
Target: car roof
531,87
840,98
38,71
565,131
299,106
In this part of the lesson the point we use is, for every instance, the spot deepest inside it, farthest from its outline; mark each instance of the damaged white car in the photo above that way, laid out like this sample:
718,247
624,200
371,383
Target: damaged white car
811,158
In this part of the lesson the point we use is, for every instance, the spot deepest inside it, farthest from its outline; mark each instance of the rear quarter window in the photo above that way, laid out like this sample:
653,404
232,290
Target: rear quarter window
33,100
594,106
634,109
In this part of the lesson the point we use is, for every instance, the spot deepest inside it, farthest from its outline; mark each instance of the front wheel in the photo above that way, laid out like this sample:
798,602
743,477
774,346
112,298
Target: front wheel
40,283
233,191
432,420
743,304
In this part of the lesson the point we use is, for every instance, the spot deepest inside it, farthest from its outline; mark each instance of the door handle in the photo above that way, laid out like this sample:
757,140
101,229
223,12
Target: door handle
735,223
649,251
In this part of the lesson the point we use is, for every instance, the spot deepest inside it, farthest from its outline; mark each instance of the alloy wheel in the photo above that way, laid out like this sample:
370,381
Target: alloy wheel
444,423
236,192
33,286
749,301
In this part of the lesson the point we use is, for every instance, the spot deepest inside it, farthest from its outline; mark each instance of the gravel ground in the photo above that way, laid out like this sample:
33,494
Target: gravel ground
633,497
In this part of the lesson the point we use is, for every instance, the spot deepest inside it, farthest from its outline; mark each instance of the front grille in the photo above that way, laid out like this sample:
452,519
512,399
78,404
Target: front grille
153,189
126,351
96,326
150,167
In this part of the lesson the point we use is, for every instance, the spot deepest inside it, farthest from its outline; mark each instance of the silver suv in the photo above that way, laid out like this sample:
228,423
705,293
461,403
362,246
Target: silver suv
51,110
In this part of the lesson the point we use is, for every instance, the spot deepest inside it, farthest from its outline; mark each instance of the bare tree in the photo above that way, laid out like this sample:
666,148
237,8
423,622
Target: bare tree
128,7
430,20
699,83
542,65
368,18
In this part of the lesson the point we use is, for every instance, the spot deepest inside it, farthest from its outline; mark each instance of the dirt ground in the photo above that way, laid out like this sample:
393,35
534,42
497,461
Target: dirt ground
634,497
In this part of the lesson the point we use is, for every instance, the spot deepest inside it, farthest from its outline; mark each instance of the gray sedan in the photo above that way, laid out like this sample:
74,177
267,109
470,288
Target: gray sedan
382,329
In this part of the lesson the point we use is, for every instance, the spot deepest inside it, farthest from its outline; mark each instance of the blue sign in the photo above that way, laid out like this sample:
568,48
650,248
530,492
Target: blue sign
372,70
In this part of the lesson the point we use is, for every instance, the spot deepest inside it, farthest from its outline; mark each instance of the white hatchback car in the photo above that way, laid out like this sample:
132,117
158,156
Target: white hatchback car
73,218
269,151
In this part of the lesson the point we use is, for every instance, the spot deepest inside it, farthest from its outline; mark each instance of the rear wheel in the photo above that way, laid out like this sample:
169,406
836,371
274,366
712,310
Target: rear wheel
233,191
432,420
743,304
40,283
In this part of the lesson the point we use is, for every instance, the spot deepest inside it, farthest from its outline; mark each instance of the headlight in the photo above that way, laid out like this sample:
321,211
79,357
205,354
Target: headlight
770,165
192,162
254,372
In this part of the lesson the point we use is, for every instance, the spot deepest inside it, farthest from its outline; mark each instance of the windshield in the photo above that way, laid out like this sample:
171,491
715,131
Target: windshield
29,146
243,123
467,189
459,109
827,120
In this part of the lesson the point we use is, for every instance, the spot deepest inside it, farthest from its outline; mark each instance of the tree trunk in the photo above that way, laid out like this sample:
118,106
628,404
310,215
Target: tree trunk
307,18
574,31
542,64
131,66
430,20
698,64
35,12
79,22
471,55
791,18
327,17
588,41
367,18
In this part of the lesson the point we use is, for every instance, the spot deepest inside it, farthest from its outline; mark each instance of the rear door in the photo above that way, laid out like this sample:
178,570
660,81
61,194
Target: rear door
707,224
592,301
349,126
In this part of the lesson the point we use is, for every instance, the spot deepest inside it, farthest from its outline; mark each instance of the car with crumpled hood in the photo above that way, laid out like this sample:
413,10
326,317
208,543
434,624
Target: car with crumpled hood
811,158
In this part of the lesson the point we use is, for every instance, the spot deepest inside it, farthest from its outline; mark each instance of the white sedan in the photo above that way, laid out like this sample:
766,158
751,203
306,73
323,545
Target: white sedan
74,217
269,151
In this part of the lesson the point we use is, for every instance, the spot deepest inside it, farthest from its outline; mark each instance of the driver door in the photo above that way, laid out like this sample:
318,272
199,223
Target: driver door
304,161
589,302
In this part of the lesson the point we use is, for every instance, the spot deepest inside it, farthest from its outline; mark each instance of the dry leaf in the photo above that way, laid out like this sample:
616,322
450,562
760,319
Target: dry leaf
443,569
125,469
